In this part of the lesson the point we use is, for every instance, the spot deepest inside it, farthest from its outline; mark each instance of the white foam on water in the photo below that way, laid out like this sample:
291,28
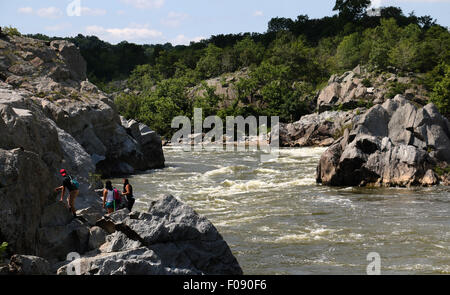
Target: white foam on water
334,200
285,160
267,171
420,268
237,221
317,234
265,229
220,171
303,152
304,181
246,186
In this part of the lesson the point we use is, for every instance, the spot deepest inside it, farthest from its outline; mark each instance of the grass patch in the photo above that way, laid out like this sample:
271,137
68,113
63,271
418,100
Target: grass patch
366,82
3,248
396,88
442,170
340,132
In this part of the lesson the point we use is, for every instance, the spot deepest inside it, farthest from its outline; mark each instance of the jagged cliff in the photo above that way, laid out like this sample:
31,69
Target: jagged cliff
52,117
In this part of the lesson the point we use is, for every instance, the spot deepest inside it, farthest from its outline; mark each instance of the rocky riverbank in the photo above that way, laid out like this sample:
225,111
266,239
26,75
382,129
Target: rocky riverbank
393,144
170,238
401,141
52,117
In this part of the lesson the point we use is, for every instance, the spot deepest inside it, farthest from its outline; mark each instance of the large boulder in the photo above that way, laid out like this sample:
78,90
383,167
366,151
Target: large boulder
72,58
24,193
318,129
59,233
54,74
97,237
149,141
394,144
362,87
29,265
171,238
223,86
32,221
345,91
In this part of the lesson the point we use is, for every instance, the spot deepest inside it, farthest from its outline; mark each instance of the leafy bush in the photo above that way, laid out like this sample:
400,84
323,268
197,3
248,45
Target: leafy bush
11,31
340,132
442,170
366,82
441,93
3,248
396,88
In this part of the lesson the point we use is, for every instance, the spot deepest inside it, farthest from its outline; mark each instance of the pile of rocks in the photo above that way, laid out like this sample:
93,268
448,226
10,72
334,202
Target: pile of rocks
171,238
393,144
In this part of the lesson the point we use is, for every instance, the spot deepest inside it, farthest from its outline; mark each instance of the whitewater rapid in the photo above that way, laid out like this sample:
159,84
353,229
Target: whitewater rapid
277,220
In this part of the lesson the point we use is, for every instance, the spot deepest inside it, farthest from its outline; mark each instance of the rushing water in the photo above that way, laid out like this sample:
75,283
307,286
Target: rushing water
277,220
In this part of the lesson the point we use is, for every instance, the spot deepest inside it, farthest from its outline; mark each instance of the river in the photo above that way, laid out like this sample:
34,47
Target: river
277,220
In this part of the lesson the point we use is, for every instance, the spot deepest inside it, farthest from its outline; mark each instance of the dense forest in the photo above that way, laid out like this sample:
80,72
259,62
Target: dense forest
287,65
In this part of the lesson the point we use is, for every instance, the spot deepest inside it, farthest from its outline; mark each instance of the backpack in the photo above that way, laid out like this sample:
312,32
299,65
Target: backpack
74,182
117,196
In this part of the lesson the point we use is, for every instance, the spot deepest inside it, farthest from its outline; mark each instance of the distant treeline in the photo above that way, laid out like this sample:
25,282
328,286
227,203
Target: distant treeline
107,62
288,64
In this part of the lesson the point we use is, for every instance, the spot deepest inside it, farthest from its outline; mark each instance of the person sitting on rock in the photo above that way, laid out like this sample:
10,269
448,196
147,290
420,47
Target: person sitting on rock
128,193
108,197
72,186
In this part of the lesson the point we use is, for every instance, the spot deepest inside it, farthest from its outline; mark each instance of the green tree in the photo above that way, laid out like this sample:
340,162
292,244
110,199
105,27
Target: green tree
249,52
144,77
404,54
210,65
351,9
278,24
441,93
128,105
381,40
434,49
348,52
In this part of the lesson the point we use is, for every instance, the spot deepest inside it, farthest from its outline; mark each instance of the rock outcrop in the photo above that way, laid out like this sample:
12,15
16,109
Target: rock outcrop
51,117
360,87
171,238
318,129
223,86
52,78
28,265
393,144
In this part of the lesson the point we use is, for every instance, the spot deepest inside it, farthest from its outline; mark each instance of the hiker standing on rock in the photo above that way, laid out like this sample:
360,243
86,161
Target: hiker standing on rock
72,186
128,193
108,197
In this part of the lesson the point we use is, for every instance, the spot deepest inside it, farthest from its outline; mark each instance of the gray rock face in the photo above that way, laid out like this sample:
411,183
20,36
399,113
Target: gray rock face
392,144
30,220
22,197
223,86
97,237
351,89
317,129
29,265
51,119
54,76
62,234
345,90
72,57
149,141
171,238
